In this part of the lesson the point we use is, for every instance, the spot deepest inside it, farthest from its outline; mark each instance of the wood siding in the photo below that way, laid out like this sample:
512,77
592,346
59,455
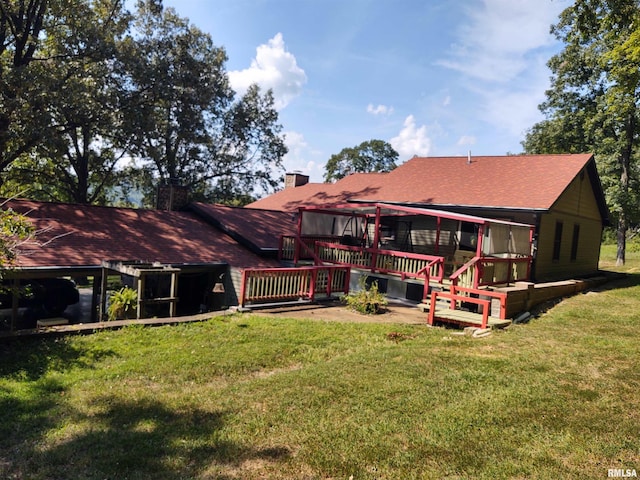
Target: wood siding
576,206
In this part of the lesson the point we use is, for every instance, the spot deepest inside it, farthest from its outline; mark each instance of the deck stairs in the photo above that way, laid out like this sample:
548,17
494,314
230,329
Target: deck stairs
462,309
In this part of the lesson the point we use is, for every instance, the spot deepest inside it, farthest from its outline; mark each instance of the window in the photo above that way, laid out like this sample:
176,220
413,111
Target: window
557,241
574,242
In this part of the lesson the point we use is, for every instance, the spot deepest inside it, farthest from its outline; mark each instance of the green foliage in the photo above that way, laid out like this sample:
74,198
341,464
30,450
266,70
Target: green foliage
592,103
15,230
123,304
367,301
370,156
111,85
187,124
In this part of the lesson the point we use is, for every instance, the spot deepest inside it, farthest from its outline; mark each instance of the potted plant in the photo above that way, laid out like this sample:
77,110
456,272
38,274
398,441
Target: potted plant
123,304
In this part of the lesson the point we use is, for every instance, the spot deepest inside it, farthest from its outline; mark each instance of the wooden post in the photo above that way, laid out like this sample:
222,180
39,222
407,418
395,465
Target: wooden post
376,241
15,291
103,293
174,294
243,288
140,307
95,294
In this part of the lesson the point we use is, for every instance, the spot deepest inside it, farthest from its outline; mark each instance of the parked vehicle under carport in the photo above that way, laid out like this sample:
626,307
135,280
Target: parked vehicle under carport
38,298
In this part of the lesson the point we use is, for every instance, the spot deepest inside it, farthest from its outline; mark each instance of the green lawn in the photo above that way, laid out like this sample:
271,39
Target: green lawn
252,397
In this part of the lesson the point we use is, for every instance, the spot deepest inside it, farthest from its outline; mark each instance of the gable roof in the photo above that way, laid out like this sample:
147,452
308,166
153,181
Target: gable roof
84,235
531,182
257,229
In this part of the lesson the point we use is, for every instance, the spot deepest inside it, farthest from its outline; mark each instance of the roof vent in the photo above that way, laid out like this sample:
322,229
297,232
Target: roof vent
469,158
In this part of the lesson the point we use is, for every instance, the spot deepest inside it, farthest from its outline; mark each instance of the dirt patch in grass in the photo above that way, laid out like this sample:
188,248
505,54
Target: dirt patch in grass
395,313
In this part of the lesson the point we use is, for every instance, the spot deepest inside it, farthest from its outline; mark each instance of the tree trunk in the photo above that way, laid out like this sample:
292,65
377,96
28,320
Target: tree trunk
622,239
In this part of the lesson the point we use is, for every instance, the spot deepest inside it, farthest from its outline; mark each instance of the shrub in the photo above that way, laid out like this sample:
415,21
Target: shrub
366,300
123,304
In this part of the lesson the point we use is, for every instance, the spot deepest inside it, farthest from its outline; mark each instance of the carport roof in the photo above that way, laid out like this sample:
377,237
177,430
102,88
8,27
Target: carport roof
71,235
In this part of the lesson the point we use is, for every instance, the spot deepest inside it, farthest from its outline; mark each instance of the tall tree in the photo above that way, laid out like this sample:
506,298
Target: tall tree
369,156
22,24
187,123
592,104
76,160
39,39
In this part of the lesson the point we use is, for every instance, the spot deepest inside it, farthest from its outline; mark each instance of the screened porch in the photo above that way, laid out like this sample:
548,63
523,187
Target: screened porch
433,246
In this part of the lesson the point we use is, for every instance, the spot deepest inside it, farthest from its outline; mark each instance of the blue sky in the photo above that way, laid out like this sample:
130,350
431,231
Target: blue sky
431,77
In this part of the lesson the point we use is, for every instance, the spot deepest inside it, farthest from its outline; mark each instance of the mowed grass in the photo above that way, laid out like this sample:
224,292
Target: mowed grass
253,397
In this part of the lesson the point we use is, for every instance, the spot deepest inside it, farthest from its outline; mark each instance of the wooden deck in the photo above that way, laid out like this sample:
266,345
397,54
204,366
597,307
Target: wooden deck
465,318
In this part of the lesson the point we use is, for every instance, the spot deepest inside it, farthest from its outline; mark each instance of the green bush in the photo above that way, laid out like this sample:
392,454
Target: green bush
367,301
123,304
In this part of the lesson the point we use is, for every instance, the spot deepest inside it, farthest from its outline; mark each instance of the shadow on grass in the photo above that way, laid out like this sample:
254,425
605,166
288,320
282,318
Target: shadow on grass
30,359
618,281
134,440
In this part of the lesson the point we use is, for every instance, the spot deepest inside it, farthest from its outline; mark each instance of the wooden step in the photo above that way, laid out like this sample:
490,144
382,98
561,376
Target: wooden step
465,318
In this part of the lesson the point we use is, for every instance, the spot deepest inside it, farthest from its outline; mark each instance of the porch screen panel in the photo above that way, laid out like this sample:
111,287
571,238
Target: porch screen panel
520,238
327,224
448,237
423,235
498,241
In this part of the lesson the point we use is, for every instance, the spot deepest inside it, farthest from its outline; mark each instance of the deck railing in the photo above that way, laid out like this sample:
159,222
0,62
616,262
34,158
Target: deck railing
405,264
487,271
500,296
293,247
269,285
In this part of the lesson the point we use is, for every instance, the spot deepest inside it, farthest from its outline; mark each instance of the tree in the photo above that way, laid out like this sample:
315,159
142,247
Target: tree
592,104
37,38
187,125
370,156
76,160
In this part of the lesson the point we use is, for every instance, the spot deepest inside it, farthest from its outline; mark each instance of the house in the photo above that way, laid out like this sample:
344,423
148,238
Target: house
560,195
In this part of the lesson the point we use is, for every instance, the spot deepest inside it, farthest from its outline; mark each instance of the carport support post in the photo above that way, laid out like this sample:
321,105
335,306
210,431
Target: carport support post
103,293
95,294
15,291
140,308
174,295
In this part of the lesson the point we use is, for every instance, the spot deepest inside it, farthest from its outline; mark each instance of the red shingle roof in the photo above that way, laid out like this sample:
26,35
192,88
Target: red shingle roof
517,181
259,229
355,185
82,235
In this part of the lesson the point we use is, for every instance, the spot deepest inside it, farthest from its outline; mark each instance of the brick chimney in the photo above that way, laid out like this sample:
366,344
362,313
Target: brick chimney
172,196
295,179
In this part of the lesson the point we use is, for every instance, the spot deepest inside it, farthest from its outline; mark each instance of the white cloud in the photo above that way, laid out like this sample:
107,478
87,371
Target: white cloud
411,140
379,110
515,109
274,67
447,101
466,140
494,43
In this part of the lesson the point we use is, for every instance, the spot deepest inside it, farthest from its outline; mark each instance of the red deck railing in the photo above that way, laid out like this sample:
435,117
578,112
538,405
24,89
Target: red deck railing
487,271
269,285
